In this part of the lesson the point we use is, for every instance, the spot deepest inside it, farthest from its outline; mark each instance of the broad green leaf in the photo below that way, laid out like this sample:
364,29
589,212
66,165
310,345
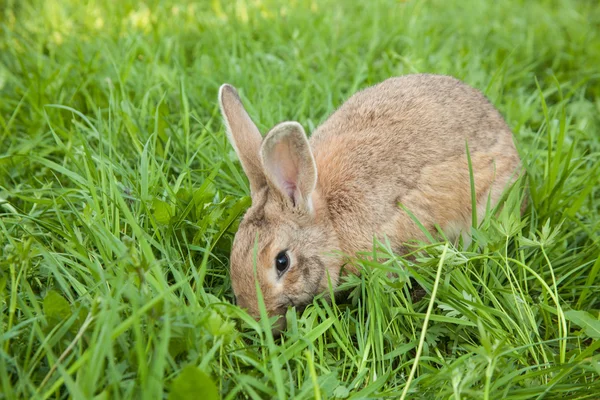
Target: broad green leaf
56,307
162,211
183,195
193,384
217,326
341,392
583,319
104,395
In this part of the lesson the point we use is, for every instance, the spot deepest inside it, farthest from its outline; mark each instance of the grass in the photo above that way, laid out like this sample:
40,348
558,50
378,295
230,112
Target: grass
119,197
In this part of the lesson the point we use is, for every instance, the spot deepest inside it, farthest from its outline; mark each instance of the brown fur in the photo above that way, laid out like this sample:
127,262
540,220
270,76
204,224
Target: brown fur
401,141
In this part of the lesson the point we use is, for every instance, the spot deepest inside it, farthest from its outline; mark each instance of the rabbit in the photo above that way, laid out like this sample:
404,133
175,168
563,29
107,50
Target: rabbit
317,201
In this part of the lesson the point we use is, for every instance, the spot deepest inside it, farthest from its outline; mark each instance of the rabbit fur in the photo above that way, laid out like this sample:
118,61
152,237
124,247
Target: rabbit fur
401,141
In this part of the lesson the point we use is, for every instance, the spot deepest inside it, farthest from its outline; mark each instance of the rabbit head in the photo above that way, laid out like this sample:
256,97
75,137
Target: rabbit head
285,243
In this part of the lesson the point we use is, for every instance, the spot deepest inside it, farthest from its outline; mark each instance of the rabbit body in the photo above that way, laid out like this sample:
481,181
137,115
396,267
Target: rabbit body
403,141
399,144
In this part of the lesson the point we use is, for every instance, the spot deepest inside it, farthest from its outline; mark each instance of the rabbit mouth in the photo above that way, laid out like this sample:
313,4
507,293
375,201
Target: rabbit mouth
289,302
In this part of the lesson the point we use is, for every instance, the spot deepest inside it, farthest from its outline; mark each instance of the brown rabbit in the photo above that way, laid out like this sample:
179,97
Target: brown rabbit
399,142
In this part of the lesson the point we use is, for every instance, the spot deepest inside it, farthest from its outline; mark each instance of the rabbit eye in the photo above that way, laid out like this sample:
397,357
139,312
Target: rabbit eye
282,262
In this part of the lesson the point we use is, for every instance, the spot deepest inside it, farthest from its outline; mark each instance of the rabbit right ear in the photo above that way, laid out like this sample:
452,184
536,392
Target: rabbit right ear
243,135
289,164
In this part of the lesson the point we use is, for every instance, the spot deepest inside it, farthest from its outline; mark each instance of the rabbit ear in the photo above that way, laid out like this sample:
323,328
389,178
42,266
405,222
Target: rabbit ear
243,135
289,164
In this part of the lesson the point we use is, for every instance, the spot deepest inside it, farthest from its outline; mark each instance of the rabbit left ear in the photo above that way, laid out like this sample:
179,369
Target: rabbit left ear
243,135
289,165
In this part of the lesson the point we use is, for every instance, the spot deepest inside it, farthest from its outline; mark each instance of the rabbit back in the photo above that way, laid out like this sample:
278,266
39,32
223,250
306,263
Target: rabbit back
403,142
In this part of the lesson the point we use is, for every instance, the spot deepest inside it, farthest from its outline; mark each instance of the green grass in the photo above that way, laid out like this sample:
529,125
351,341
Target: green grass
119,197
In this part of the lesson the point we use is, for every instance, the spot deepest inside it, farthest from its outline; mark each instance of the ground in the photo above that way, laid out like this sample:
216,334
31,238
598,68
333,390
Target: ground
120,195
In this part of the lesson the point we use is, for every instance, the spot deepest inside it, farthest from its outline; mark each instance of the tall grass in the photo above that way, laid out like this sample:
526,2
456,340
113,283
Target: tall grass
119,198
